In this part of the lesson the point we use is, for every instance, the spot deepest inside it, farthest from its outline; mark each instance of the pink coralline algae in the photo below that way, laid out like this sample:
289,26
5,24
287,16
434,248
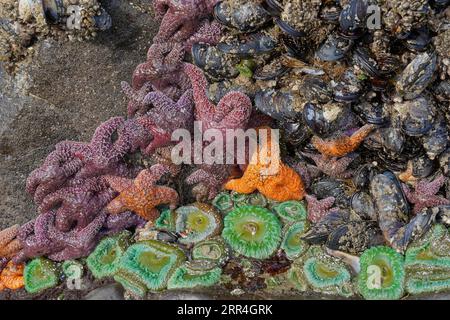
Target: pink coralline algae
424,195
165,117
76,160
318,209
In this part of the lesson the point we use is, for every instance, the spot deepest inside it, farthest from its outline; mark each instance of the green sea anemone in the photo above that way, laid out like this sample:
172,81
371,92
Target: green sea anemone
40,274
317,271
292,244
290,211
239,199
257,199
296,277
72,269
423,285
252,231
104,260
246,67
166,221
215,250
197,222
148,264
427,262
382,274
197,273
223,202
327,276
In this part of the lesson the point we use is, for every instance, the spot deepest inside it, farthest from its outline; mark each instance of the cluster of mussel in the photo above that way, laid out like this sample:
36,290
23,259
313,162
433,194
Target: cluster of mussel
329,71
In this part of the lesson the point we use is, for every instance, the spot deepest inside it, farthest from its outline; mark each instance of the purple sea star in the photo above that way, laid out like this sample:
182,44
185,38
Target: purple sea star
209,33
208,180
332,167
136,102
181,18
424,195
77,160
318,209
165,117
232,112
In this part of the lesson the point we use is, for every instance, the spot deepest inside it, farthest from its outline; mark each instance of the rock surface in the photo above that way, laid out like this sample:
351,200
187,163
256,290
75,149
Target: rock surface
65,93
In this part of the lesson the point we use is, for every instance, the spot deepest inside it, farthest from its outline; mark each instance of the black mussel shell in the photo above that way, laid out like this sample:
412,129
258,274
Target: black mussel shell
318,233
444,162
334,48
362,205
248,18
355,237
392,140
363,59
314,116
352,19
422,166
328,187
273,7
213,61
286,28
436,140
374,113
295,47
316,89
389,199
416,77
363,175
255,44
442,91
349,89
417,116
276,104
330,14
294,132
53,11
418,40
272,71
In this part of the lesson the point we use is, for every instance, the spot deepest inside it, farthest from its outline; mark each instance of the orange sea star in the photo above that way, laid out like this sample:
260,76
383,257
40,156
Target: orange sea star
342,145
271,177
11,276
142,195
9,245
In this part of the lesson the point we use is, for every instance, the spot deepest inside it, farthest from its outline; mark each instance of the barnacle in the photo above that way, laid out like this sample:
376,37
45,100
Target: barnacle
382,274
148,265
292,243
290,211
104,260
252,231
40,274
215,250
197,222
197,273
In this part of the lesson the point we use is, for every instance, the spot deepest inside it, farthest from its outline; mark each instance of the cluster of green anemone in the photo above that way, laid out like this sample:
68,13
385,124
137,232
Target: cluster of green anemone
226,201
427,262
319,272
